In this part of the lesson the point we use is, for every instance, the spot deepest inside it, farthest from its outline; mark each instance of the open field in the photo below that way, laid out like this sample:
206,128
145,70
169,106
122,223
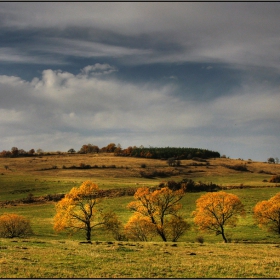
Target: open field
252,253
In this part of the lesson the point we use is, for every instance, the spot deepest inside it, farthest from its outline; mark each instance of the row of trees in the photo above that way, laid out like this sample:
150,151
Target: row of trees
168,152
90,148
15,152
174,153
151,152
159,213
155,213
273,160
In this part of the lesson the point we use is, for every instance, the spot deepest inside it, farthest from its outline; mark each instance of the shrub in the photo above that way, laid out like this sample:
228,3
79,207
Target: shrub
28,199
158,173
13,225
200,239
84,166
275,179
237,167
271,160
188,185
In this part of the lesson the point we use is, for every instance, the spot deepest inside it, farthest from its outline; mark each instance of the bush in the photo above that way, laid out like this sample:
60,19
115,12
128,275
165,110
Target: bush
200,239
84,166
28,199
13,225
188,185
237,167
158,173
275,179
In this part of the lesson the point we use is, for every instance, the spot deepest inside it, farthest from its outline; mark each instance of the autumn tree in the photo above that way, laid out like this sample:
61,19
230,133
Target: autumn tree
267,213
113,225
271,160
140,228
118,150
215,211
176,227
15,151
31,152
5,153
159,208
111,148
78,211
13,225
40,151
89,148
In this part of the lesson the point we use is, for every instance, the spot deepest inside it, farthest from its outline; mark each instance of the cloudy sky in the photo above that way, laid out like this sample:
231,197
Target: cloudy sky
203,75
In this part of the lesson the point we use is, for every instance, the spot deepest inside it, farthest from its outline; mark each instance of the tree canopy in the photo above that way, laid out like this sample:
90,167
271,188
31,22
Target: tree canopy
267,213
158,212
77,210
215,211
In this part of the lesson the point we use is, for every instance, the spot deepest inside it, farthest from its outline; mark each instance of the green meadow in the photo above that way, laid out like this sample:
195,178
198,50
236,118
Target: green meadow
253,252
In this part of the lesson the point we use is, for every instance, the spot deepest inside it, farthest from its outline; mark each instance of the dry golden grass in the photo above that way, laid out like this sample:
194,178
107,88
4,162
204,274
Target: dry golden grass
34,258
36,175
126,166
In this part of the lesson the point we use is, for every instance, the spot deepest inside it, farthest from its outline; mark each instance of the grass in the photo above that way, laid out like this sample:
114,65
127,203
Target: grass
252,253
33,258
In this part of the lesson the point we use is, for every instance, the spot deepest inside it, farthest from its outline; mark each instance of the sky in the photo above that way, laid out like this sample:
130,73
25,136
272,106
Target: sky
182,74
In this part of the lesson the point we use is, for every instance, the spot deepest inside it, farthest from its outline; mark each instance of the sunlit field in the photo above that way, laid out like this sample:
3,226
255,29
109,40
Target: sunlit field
111,259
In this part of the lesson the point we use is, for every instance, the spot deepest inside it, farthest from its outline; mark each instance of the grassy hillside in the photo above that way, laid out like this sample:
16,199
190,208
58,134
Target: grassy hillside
53,174
48,175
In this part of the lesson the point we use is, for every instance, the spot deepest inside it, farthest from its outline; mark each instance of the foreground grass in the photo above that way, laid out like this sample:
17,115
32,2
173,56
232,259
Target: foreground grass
68,259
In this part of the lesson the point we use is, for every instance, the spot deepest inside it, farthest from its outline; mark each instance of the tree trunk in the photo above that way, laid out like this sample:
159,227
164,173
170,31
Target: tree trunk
88,233
223,235
162,235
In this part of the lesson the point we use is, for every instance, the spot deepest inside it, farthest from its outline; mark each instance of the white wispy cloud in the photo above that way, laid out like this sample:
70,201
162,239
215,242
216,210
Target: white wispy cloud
83,48
15,55
62,103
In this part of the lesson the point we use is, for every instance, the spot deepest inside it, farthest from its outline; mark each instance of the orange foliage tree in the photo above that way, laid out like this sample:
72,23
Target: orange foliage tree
13,225
77,210
267,213
215,211
157,211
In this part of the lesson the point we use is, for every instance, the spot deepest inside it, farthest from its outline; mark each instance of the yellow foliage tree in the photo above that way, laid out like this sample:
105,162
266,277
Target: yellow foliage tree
77,210
267,213
215,211
158,206
140,228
